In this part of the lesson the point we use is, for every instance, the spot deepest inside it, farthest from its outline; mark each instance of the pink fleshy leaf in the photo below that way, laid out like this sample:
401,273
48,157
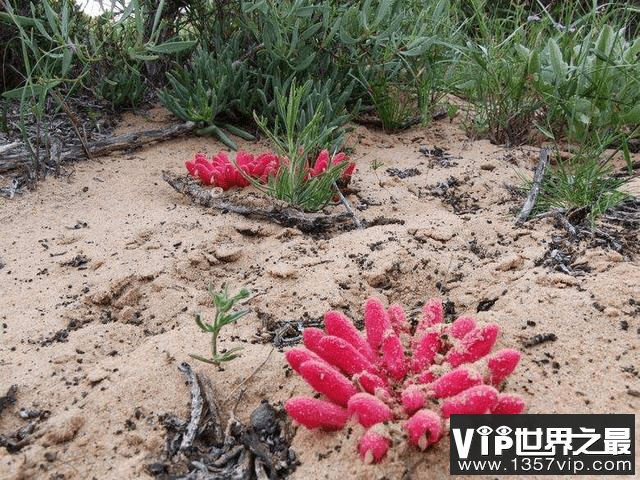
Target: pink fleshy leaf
314,413
368,410
508,404
501,364
424,428
426,377
376,322
339,325
311,338
432,314
343,355
398,319
370,382
328,381
373,446
475,344
461,326
393,356
425,350
475,400
455,382
298,355
413,398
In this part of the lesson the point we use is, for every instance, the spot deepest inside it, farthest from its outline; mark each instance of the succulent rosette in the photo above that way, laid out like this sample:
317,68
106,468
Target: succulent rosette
398,377
221,172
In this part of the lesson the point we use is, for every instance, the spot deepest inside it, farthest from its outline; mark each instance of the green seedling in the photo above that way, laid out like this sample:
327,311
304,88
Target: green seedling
224,305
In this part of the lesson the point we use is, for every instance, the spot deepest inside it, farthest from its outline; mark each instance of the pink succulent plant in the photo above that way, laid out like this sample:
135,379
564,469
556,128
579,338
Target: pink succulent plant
399,376
323,160
221,172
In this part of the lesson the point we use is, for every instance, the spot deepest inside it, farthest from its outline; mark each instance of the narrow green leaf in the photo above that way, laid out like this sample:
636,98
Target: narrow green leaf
172,47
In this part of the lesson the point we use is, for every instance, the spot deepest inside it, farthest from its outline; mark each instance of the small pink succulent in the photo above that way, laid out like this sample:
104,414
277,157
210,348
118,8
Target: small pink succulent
322,163
399,377
221,172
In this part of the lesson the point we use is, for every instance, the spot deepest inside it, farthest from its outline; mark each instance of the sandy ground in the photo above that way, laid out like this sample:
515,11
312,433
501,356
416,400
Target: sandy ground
144,257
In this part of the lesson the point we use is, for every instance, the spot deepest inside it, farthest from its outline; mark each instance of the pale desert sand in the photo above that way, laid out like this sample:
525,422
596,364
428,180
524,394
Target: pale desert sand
151,255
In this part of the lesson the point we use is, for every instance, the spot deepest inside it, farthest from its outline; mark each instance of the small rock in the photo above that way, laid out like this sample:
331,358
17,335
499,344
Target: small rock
377,278
50,456
96,375
488,167
102,298
198,259
157,468
441,233
65,429
282,271
228,253
128,315
614,256
611,312
558,280
263,418
510,262
130,297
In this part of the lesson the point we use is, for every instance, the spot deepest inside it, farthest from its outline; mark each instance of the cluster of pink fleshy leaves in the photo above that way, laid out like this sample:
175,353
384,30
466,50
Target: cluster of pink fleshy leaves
221,172
399,381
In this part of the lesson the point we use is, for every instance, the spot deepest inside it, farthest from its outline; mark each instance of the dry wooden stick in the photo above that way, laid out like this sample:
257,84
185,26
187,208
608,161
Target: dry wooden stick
9,146
196,406
127,141
74,122
347,205
287,216
535,187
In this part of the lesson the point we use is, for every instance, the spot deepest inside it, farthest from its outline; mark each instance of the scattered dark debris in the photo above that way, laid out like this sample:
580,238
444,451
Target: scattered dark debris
376,246
365,203
617,230
561,256
406,173
485,304
2,264
9,398
14,442
60,336
78,261
624,325
633,393
284,333
449,309
31,413
627,214
257,451
378,221
438,157
79,224
461,202
540,338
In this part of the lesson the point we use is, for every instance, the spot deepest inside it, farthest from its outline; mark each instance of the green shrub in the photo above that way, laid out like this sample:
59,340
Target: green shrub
298,136
583,182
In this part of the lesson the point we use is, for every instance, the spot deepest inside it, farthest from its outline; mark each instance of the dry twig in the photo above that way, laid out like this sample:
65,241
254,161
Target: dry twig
538,176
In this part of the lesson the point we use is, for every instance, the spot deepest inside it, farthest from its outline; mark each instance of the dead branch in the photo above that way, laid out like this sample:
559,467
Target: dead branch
127,141
287,216
196,406
347,206
9,146
535,187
